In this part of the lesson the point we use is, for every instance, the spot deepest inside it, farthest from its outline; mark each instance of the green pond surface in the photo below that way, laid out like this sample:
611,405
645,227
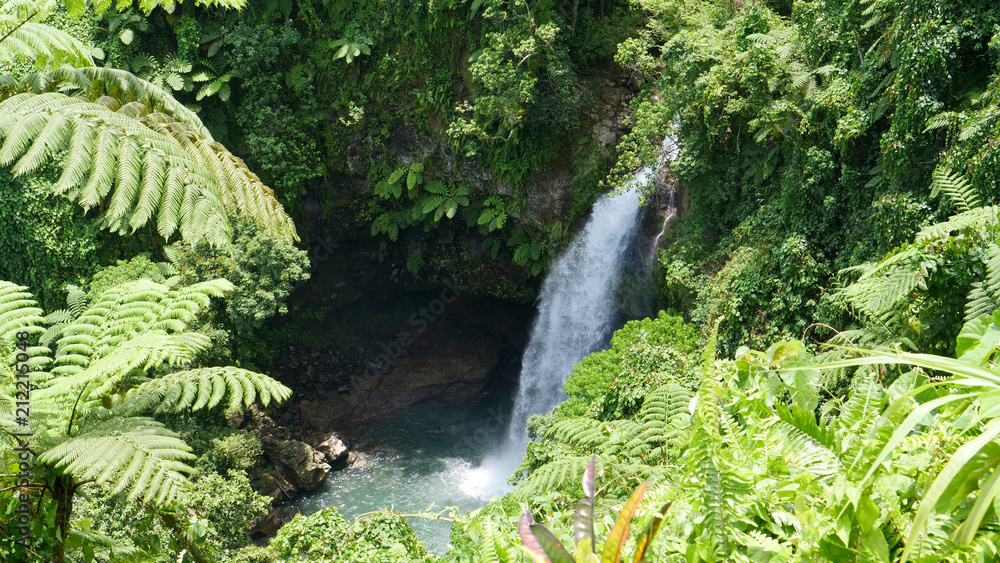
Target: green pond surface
427,457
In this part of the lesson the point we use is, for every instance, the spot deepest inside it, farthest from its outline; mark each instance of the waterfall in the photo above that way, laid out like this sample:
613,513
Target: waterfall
668,216
577,312
577,309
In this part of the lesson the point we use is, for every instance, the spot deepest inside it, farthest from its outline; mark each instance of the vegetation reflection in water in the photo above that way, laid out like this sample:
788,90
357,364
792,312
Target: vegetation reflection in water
424,458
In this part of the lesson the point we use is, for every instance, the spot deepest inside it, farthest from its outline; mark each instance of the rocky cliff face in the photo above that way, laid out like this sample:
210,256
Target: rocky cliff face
439,349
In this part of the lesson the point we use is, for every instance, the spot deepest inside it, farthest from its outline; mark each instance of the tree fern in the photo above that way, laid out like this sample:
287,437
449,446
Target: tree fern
78,7
137,163
493,549
204,388
25,35
883,293
984,298
554,475
112,362
18,311
976,219
957,189
138,454
583,432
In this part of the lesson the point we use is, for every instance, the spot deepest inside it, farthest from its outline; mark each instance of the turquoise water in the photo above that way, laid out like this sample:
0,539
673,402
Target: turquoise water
425,458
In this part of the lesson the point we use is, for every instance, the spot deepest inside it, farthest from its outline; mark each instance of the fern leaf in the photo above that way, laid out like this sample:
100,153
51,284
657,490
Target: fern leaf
40,42
554,475
107,149
957,189
204,388
134,454
19,312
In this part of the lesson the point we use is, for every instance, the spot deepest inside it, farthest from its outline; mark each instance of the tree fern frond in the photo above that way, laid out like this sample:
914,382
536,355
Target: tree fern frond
19,312
79,158
135,454
204,388
956,188
863,405
105,372
127,177
40,42
144,167
102,173
808,453
554,475
125,87
974,219
583,432
493,548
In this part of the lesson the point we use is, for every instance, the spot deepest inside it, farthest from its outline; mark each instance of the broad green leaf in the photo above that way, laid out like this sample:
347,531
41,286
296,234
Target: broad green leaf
873,539
952,471
989,495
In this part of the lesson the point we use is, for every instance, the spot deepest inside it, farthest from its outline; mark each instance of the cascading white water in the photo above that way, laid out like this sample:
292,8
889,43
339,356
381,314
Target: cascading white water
577,312
668,216
577,308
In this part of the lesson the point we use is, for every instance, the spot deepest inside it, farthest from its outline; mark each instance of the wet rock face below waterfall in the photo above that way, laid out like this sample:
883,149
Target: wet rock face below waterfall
452,357
455,368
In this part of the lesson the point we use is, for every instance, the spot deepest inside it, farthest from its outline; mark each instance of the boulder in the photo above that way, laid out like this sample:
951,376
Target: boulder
276,486
303,466
266,525
359,461
334,450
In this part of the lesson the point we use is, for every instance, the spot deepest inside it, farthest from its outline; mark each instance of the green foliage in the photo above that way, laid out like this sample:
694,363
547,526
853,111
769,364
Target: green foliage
644,354
755,471
170,73
264,269
431,201
26,36
349,49
522,74
543,546
919,294
820,123
240,450
189,183
380,537
230,504
45,241
128,352
278,123
138,268
77,7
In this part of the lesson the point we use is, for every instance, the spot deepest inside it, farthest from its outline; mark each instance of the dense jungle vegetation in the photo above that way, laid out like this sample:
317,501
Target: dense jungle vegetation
820,382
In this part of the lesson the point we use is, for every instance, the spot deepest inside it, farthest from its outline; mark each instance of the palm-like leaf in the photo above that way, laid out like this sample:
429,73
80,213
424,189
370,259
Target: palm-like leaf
24,34
137,454
18,311
78,7
138,163
204,388
975,384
